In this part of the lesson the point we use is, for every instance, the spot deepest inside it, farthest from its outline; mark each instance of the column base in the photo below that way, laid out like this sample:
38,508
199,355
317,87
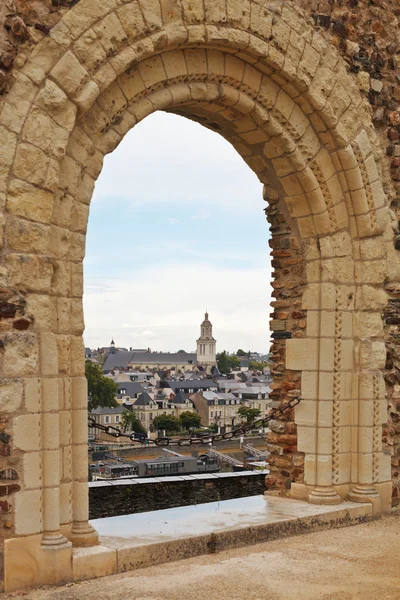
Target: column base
54,539
83,535
367,493
324,495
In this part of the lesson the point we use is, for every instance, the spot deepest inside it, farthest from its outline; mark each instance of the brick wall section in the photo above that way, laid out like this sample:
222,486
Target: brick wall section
287,320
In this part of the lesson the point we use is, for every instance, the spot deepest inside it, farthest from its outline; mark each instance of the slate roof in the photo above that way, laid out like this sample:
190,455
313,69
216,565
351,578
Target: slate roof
196,384
172,358
143,400
132,388
119,360
180,398
104,410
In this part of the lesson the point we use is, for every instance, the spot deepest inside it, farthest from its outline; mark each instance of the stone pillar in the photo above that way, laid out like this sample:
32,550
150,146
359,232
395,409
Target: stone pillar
82,533
367,439
52,537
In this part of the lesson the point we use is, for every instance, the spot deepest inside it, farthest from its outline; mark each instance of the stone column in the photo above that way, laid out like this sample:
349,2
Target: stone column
367,434
52,537
82,533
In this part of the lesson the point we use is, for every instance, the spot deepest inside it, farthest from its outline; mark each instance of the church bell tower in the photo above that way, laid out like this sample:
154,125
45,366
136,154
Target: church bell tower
206,345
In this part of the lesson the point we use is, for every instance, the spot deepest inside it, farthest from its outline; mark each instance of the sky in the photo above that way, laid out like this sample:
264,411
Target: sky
176,227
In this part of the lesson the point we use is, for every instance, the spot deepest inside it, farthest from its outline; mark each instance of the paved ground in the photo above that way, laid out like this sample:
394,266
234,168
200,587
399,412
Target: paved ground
360,562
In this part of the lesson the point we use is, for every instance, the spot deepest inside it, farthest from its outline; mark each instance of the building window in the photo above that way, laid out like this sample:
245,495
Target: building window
151,416
117,418
106,419
212,414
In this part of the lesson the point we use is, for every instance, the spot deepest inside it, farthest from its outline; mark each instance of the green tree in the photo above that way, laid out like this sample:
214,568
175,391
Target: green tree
167,422
255,365
223,363
234,362
130,422
189,420
241,352
248,414
101,390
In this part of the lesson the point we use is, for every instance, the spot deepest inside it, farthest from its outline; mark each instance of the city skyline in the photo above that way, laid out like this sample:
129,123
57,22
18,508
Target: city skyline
176,225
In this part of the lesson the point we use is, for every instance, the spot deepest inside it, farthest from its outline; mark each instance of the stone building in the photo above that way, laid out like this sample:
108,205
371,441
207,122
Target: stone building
308,94
147,408
206,346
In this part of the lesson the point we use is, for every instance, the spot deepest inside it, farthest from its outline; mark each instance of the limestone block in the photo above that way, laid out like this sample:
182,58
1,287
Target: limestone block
309,385
88,563
344,468
310,469
302,354
87,96
77,246
51,470
365,468
64,350
89,51
61,279
372,272
104,76
65,427
324,438
50,431
27,201
54,101
8,140
48,354
307,439
384,468
378,355
306,413
346,355
77,324
50,394
79,427
71,172
131,19
67,463
32,469
365,436
113,101
19,98
110,33
79,393
20,354
26,432
42,131
43,310
346,413
80,461
366,413
65,502
80,500
22,234
69,74
10,397
151,11
325,386
31,164
42,566
152,71
32,393
28,512
77,356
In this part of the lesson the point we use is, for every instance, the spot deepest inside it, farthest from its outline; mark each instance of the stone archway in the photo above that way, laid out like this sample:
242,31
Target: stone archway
257,73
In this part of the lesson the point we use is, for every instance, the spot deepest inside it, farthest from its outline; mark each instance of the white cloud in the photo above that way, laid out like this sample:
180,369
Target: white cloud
166,155
166,306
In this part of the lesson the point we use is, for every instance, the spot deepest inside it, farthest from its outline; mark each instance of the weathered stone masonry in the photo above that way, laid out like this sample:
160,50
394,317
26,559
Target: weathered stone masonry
265,76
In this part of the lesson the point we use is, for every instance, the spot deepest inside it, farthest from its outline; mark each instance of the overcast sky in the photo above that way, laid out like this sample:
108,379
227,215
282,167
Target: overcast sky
176,226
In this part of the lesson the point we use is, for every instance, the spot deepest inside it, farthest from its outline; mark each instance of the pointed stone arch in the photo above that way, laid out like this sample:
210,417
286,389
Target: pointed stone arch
260,75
